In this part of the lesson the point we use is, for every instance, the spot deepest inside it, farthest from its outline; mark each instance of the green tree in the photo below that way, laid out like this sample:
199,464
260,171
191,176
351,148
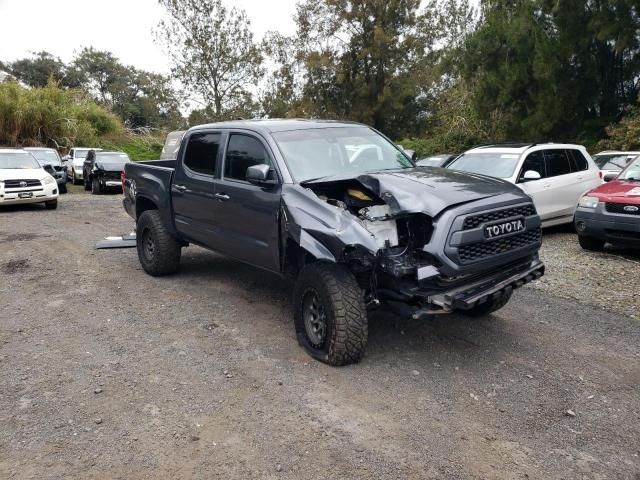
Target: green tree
213,53
36,70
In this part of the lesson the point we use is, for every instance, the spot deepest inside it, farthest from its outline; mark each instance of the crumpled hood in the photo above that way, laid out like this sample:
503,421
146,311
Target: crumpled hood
427,189
23,174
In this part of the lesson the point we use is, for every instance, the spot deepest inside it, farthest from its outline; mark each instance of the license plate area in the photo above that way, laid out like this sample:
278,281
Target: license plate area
25,195
504,228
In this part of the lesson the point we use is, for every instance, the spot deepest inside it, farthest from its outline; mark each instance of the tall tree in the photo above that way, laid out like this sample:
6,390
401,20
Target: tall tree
213,53
37,69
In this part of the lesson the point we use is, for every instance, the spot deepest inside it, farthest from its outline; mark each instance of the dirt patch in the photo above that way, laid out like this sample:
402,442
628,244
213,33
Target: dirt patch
14,266
19,237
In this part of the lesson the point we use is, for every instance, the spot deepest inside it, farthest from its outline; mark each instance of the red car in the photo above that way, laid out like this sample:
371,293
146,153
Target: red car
611,212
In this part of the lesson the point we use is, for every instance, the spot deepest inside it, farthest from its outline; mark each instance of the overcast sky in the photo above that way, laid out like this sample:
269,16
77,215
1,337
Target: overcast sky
123,27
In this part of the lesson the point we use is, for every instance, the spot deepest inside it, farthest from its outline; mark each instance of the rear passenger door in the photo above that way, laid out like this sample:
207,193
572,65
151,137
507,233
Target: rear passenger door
192,190
247,214
563,182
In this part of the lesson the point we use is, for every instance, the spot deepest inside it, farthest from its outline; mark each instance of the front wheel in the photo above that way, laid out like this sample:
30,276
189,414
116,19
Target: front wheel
590,243
96,188
491,305
330,315
158,251
62,187
51,205
74,180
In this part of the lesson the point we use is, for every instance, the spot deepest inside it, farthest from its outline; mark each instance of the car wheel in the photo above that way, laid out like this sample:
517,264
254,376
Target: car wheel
62,187
158,251
590,243
493,304
330,315
51,205
96,188
87,184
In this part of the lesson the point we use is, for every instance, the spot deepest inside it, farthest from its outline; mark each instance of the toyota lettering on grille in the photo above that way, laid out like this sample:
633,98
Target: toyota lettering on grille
504,228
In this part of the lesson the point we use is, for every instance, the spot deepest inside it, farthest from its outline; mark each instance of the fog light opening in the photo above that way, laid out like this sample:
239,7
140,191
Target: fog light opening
581,226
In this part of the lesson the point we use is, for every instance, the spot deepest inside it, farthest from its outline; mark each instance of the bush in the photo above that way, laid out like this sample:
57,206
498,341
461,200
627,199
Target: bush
52,116
624,135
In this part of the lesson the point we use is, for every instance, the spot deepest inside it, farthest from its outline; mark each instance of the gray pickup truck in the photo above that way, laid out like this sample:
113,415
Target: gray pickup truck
343,211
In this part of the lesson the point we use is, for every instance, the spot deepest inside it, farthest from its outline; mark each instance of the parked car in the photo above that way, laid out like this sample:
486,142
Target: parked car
171,145
554,175
290,197
611,212
23,180
49,159
75,161
611,163
103,170
440,160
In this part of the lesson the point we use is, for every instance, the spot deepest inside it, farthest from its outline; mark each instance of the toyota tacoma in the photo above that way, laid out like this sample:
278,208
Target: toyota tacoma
343,211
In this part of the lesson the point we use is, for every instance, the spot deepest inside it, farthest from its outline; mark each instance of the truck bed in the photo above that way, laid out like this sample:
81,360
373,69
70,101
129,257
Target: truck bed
151,182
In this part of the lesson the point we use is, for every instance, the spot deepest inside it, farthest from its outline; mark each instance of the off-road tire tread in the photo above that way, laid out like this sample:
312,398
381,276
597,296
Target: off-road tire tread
167,259
349,340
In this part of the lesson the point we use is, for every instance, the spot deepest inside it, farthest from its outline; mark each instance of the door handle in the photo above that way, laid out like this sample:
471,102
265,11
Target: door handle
223,197
180,188
547,185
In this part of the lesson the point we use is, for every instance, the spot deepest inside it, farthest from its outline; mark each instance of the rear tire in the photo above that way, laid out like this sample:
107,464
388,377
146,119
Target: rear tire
490,306
330,315
74,180
158,251
51,205
590,243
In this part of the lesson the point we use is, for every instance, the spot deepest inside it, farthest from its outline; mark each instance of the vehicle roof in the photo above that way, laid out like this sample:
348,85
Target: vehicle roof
519,147
13,150
618,152
279,125
38,148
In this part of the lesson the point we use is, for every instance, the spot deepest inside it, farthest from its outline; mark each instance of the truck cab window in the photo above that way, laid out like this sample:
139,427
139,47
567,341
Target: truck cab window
243,152
202,152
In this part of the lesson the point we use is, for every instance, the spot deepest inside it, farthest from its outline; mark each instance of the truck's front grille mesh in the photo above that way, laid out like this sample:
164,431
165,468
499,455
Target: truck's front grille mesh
620,208
21,183
478,251
474,221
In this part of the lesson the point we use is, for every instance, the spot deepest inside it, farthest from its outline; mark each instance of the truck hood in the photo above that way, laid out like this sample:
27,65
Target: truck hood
23,174
618,191
428,190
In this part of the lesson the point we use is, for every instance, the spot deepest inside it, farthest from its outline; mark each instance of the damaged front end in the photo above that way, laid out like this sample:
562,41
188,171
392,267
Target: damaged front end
394,235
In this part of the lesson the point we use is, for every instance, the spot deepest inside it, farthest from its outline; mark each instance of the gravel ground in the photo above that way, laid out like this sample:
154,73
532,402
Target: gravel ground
609,280
106,372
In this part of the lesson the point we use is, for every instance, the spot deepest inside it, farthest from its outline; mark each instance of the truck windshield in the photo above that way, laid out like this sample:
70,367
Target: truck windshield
17,160
494,164
326,152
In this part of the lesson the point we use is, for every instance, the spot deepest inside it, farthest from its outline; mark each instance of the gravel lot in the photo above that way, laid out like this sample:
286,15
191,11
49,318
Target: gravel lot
106,372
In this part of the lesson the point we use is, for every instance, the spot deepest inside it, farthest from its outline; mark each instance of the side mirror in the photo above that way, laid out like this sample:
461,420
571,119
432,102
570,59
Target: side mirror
530,175
259,175
610,176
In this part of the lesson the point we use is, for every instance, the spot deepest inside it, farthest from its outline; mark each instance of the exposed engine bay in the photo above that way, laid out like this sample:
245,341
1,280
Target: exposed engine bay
399,238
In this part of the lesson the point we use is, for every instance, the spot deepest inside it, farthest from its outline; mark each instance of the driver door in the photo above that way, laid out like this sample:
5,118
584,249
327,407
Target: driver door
539,190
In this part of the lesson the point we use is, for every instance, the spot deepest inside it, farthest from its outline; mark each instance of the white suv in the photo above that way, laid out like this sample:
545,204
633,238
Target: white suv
75,163
555,175
23,180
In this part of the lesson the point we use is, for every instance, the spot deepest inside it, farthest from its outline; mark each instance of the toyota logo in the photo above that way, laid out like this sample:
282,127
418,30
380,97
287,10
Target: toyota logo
23,183
631,208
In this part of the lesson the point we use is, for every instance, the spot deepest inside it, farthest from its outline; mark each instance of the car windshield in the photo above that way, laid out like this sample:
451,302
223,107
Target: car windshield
632,172
614,161
327,152
17,160
80,153
494,164
112,157
46,157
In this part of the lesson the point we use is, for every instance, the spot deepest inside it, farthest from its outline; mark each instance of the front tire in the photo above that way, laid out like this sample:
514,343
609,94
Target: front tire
158,251
96,188
330,315
590,243
491,305
62,187
51,205
74,180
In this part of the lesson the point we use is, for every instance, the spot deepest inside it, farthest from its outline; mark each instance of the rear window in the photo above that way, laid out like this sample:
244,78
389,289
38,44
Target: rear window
202,153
